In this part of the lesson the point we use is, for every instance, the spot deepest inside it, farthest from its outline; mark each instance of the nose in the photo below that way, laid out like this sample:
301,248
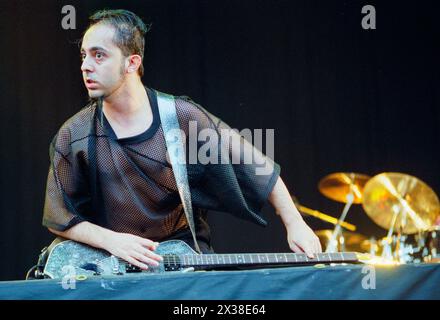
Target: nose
86,65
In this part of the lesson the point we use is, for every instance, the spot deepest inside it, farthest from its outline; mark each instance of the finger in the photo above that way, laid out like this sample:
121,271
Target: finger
144,259
309,253
295,248
308,250
314,246
150,254
136,263
148,243
318,243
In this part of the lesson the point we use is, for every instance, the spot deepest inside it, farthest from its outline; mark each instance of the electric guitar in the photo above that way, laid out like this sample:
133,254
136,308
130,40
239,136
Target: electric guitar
70,257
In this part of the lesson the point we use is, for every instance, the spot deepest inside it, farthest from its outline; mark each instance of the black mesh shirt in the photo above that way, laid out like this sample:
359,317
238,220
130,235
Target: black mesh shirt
127,185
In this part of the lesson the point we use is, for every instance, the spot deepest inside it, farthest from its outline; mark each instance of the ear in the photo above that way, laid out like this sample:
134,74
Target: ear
133,63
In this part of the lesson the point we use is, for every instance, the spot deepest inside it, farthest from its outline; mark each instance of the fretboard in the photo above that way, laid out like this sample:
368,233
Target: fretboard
205,260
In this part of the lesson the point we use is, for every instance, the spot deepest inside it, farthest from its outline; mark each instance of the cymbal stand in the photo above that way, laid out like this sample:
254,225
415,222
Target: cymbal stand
400,249
387,250
405,251
333,243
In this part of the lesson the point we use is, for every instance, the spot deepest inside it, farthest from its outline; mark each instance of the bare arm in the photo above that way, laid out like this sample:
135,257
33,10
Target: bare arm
299,235
86,232
282,202
135,250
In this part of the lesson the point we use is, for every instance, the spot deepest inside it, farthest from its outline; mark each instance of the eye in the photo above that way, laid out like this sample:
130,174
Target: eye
82,56
99,55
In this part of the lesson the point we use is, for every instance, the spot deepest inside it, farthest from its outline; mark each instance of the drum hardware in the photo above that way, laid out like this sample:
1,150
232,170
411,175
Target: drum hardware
346,188
431,249
325,217
402,204
373,246
320,215
347,241
337,186
407,208
333,243
396,200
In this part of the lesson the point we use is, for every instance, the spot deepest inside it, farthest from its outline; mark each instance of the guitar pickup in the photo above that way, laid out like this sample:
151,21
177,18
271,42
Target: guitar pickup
129,268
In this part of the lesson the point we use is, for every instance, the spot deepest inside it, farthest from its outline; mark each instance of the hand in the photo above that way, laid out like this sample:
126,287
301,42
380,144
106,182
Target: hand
302,239
299,236
135,250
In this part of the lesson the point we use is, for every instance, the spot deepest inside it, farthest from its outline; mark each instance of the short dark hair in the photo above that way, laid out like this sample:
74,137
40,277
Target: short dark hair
130,31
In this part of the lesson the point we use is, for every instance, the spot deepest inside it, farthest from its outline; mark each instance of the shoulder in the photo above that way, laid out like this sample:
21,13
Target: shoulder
185,103
79,120
75,128
192,111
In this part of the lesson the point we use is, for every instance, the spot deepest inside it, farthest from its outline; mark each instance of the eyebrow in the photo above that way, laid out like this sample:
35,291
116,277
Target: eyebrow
95,49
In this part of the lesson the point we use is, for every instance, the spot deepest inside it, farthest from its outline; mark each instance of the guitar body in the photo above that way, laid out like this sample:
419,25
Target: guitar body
88,261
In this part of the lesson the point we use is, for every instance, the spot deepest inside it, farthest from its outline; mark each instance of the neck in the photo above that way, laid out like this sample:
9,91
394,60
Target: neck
128,102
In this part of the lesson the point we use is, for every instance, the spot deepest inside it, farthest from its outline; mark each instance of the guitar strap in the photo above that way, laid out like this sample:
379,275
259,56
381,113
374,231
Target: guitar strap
176,153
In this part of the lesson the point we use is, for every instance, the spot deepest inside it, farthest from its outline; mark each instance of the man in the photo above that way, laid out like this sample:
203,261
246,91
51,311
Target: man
110,184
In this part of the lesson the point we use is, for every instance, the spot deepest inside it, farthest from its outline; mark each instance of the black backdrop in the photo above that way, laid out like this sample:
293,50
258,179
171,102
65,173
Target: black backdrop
340,98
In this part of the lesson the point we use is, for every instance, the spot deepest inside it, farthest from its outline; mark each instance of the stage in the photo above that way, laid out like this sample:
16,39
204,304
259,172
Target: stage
352,282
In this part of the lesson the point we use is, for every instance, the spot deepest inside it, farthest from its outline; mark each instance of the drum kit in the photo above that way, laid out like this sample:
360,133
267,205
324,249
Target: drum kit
402,204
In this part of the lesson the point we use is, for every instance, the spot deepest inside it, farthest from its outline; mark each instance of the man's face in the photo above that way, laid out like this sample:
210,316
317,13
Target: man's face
103,62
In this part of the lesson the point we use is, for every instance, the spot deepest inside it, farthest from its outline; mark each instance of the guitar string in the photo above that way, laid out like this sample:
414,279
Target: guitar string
199,259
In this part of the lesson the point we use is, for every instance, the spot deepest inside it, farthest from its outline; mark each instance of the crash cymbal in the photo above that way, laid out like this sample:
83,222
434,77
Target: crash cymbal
402,198
352,241
337,186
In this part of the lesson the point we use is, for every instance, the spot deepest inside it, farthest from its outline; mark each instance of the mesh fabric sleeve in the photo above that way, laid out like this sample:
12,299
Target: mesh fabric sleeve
67,197
242,177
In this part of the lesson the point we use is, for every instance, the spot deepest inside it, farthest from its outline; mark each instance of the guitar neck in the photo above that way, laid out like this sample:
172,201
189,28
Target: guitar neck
212,260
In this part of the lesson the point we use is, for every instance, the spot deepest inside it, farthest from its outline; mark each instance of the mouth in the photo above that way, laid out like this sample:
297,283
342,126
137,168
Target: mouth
91,84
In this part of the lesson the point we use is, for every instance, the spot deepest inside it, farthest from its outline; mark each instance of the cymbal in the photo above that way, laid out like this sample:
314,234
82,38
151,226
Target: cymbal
397,196
353,242
337,186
